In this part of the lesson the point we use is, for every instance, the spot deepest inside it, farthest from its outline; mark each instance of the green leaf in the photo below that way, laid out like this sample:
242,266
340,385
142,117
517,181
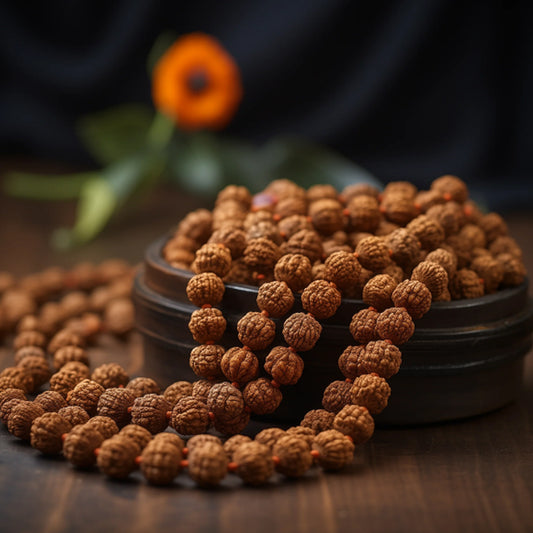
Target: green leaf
309,164
160,46
46,186
115,133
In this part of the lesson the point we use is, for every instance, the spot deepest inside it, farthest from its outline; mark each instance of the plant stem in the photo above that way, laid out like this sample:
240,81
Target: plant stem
160,131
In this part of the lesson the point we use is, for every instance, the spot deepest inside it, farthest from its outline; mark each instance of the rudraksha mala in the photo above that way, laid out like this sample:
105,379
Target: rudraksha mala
399,250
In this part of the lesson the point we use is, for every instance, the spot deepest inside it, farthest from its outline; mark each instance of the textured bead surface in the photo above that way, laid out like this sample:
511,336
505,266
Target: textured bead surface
370,391
233,443
269,436
377,292
116,457
115,403
414,296
334,448
275,298
205,288
50,401
160,462
86,395
261,254
79,445
141,386
176,391
256,330
190,416
106,426
215,258
284,365
208,464
150,412
136,433
294,458
318,420
207,324
205,360
432,275
239,365
301,331
261,396
428,231
295,270
74,414
110,375
305,242
69,353
395,324
225,401
321,298
46,433
356,422
343,269
336,396
363,325
254,463
21,418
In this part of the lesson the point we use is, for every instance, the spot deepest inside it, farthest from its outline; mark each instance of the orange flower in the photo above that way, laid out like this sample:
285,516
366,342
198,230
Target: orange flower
197,83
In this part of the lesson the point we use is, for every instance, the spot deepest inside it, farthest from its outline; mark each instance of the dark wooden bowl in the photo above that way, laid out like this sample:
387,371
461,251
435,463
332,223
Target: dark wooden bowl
465,358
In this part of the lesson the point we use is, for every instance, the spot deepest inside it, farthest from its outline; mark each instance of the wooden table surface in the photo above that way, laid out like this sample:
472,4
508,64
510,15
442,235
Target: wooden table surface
468,476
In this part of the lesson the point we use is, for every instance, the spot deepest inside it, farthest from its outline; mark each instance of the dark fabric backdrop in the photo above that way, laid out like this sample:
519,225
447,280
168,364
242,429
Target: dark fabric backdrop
408,89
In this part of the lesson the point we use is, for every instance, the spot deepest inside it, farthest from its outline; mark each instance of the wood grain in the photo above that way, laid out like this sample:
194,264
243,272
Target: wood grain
470,475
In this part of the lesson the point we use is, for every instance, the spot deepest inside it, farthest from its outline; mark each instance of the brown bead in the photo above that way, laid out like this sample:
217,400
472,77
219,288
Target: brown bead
75,367
428,231
116,457
51,401
235,193
261,396
137,433
196,225
29,338
239,365
356,422
205,288
445,258
83,276
47,431
256,331
505,245
358,189
74,303
150,412
336,396
205,360
305,242
395,324
50,318
474,235
378,290
293,456
275,298
490,271
254,463
86,395
240,273
16,304
177,390
68,353
232,426
115,403
201,388
170,438
106,426
269,230
494,226
18,378
301,331
8,406
141,386
261,254
21,418
233,238
321,298
112,269
426,199
363,213
351,361
269,436
208,464
29,351
110,375
215,258
405,247
207,324
295,270
319,192
334,448
290,225
318,420
80,444
400,188
199,440
190,416
233,443
398,208
465,284
432,275
291,205
62,338
382,358
514,271
10,394
119,316
225,401
326,216
370,391
373,253
37,367
256,216
449,215
414,296
74,415
451,187
160,462
284,365
363,325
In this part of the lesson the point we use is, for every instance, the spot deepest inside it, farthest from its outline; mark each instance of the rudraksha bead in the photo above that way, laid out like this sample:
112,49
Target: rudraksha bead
305,433
321,298
432,275
291,205
150,412
8,406
269,230
177,390
275,298
110,375
62,338
426,199
116,457
86,395
356,422
269,436
490,271
284,365
69,353
205,288
119,316
51,401
190,416
261,254
451,187
232,426
290,225
305,242
465,283
318,420
336,396
208,464
494,226
255,330
351,361
80,444
20,378
377,292
428,231
445,258
196,225
505,245
198,440
37,367
115,403
64,381
141,386
29,351
136,433
370,391
201,388
233,238
474,235
295,270
404,246
21,418
16,304
358,189
261,396
239,365
326,216
400,188
225,401
363,325
449,215
234,442
293,456
398,209
205,360
254,463
235,193
81,370
335,450
514,271
363,213
170,438
29,338
10,394
301,331
214,258
207,324
160,462
321,191
74,414
106,426
382,358
74,303
395,324
414,296
47,431
240,273
373,253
